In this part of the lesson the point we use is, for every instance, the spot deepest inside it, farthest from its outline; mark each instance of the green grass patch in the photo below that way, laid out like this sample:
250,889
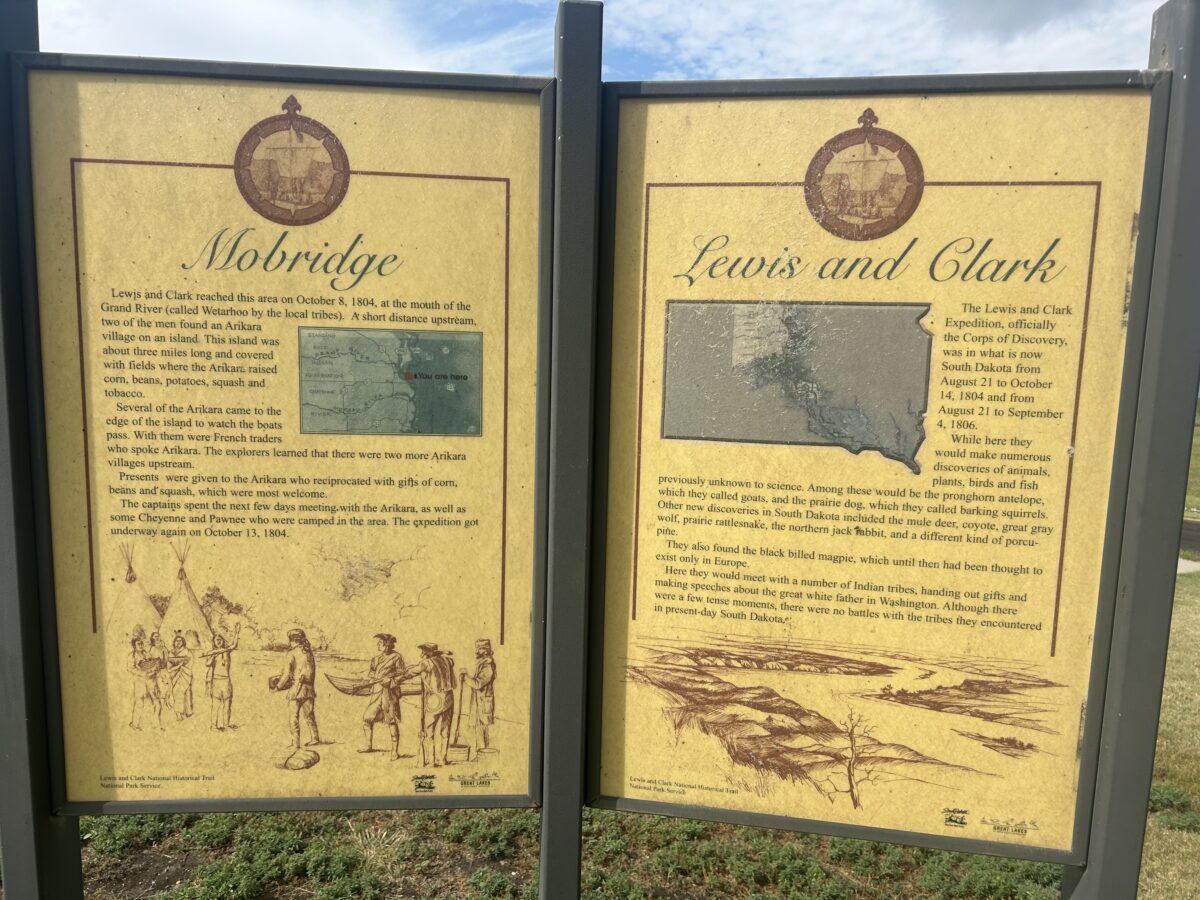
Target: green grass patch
1181,821
628,857
268,850
116,835
1166,796
1191,506
1177,759
1171,853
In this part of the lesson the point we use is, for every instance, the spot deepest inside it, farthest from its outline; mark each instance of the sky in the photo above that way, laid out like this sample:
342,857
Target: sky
643,39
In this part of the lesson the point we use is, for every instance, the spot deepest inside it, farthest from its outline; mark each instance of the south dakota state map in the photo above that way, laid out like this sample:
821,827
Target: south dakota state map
850,375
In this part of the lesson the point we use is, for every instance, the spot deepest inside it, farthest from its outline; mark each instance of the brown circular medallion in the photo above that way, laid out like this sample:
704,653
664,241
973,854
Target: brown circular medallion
864,183
292,169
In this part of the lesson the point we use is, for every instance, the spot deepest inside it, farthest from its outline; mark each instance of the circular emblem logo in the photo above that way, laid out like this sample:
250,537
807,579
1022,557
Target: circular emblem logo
292,169
864,183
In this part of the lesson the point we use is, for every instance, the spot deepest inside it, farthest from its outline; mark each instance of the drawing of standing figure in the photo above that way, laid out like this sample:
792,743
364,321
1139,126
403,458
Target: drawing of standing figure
387,672
436,669
298,678
483,694
145,683
218,682
158,650
179,664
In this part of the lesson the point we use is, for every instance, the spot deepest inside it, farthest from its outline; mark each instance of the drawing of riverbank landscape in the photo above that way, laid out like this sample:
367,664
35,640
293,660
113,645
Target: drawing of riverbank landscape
842,718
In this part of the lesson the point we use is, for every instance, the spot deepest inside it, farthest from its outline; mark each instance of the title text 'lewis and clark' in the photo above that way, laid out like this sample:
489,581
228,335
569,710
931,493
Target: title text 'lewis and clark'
964,259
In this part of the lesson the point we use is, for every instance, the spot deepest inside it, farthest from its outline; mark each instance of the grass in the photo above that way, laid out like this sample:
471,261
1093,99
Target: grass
643,857
1191,503
329,856
1171,855
1169,863
493,854
1177,760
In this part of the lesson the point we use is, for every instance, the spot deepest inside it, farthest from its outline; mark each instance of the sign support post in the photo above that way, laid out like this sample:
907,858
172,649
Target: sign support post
577,133
1158,474
40,851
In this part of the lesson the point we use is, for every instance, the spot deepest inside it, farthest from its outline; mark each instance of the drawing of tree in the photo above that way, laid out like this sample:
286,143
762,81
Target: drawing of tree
856,767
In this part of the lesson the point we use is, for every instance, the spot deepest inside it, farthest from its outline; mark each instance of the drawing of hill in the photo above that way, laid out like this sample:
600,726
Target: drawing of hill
767,732
818,713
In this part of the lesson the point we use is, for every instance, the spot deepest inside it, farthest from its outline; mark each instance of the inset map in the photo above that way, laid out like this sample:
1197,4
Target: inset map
851,375
384,381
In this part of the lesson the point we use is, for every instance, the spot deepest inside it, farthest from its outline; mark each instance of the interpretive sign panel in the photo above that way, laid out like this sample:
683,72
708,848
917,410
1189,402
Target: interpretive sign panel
290,361
867,356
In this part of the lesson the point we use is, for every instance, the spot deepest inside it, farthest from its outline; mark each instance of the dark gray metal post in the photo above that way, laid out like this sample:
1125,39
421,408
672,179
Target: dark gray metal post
1157,480
576,176
40,851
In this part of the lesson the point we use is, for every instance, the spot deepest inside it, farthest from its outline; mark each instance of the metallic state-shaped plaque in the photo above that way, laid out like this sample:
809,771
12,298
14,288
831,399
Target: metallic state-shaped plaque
292,169
864,183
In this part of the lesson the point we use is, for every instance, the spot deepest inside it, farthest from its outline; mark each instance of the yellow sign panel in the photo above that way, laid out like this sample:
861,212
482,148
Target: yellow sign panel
867,355
289,353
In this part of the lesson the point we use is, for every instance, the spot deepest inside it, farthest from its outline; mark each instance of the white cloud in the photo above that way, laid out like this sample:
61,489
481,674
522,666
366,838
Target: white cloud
350,33
644,38
776,38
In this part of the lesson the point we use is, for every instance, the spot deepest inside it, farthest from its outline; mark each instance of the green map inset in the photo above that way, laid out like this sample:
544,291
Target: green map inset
851,375
384,381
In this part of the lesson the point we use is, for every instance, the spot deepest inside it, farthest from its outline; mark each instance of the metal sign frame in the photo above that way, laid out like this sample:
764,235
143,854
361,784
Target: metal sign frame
41,848
1111,628
1158,474
544,90
577,69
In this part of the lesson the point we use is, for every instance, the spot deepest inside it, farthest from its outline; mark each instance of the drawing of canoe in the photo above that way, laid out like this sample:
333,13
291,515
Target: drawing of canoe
355,687
362,687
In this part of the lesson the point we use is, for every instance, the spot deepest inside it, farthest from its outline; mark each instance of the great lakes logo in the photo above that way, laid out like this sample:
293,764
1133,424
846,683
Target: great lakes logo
291,169
864,183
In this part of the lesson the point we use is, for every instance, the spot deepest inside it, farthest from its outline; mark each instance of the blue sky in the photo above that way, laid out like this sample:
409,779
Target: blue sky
644,39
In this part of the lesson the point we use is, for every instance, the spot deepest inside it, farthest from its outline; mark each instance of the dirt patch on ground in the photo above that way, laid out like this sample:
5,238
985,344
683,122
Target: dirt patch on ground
140,873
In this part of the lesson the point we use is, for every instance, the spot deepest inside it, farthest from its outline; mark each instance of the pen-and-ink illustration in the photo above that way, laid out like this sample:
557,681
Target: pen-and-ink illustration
851,375
386,679
186,650
824,715
172,640
431,681
299,681
291,169
181,678
482,701
864,183
360,575
384,381
436,673
218,682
